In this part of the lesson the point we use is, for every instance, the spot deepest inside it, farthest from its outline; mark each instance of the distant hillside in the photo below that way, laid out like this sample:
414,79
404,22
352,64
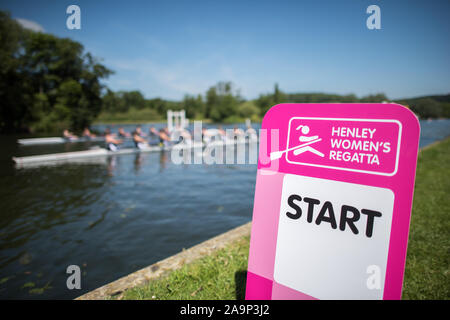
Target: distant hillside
436,106
438,98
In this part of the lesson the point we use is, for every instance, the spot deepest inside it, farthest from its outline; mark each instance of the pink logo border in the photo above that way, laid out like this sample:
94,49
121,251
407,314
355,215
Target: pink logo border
347,169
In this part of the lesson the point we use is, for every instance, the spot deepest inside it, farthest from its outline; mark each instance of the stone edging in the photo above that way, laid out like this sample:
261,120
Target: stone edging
172,263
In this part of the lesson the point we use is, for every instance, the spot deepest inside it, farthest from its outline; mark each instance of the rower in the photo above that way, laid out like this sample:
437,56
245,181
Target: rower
69,135
186,136
123,134
237,132
251,133
222,132
139,142
164,139
180,135
111,142
206,135
250,130
153,136
87,133
141,133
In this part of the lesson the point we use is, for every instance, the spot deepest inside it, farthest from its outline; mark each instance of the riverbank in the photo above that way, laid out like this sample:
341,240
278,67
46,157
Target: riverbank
221,272
427,262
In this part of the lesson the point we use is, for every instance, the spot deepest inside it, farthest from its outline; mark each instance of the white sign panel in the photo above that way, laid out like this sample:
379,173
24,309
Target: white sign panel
342,229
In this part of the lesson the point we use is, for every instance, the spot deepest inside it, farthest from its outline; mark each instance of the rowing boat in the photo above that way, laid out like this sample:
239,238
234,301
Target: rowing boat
95,152
56,140
102,152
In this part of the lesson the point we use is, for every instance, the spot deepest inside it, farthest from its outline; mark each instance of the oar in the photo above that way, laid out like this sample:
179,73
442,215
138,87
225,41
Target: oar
277,154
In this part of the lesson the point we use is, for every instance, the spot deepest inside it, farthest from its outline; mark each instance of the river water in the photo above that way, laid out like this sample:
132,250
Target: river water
114,215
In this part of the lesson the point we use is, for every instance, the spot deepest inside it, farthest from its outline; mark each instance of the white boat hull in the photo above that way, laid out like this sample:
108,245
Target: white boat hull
100,152
55,140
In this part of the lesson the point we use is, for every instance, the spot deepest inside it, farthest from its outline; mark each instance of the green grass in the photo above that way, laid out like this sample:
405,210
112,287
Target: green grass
222,275
427,263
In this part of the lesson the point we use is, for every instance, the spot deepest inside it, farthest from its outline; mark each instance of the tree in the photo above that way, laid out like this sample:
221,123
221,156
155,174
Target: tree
249,110
221,101
46,80
211,101
14,112
159,105
373,98
133,99
192,105
427,108
266,101
278,96
110,101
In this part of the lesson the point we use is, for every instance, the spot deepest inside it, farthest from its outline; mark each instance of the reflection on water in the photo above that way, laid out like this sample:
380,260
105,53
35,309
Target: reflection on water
114,215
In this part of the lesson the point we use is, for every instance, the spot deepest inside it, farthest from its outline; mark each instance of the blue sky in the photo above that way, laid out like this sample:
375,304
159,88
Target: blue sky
171,48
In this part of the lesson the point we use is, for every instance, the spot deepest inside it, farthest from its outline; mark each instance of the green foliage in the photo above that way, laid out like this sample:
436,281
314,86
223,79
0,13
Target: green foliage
126,106
278,96
121,101
429,107
223,104
112,103
424,107
13,112
321,98
46,81
266,101
373,98
427,263
131,115
248,109
193,106
221,101
161,106
134,99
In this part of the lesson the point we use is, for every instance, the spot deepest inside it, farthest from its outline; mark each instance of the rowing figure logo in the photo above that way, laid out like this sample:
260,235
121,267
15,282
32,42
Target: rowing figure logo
307,140
304,146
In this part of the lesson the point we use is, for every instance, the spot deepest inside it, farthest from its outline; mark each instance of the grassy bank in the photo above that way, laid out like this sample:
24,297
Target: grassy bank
427,264
222,275
218,276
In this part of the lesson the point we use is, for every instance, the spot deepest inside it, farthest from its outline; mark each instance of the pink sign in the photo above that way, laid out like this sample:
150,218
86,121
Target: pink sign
332,202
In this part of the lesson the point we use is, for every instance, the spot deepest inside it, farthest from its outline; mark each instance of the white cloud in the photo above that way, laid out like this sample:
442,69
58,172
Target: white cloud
31,25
